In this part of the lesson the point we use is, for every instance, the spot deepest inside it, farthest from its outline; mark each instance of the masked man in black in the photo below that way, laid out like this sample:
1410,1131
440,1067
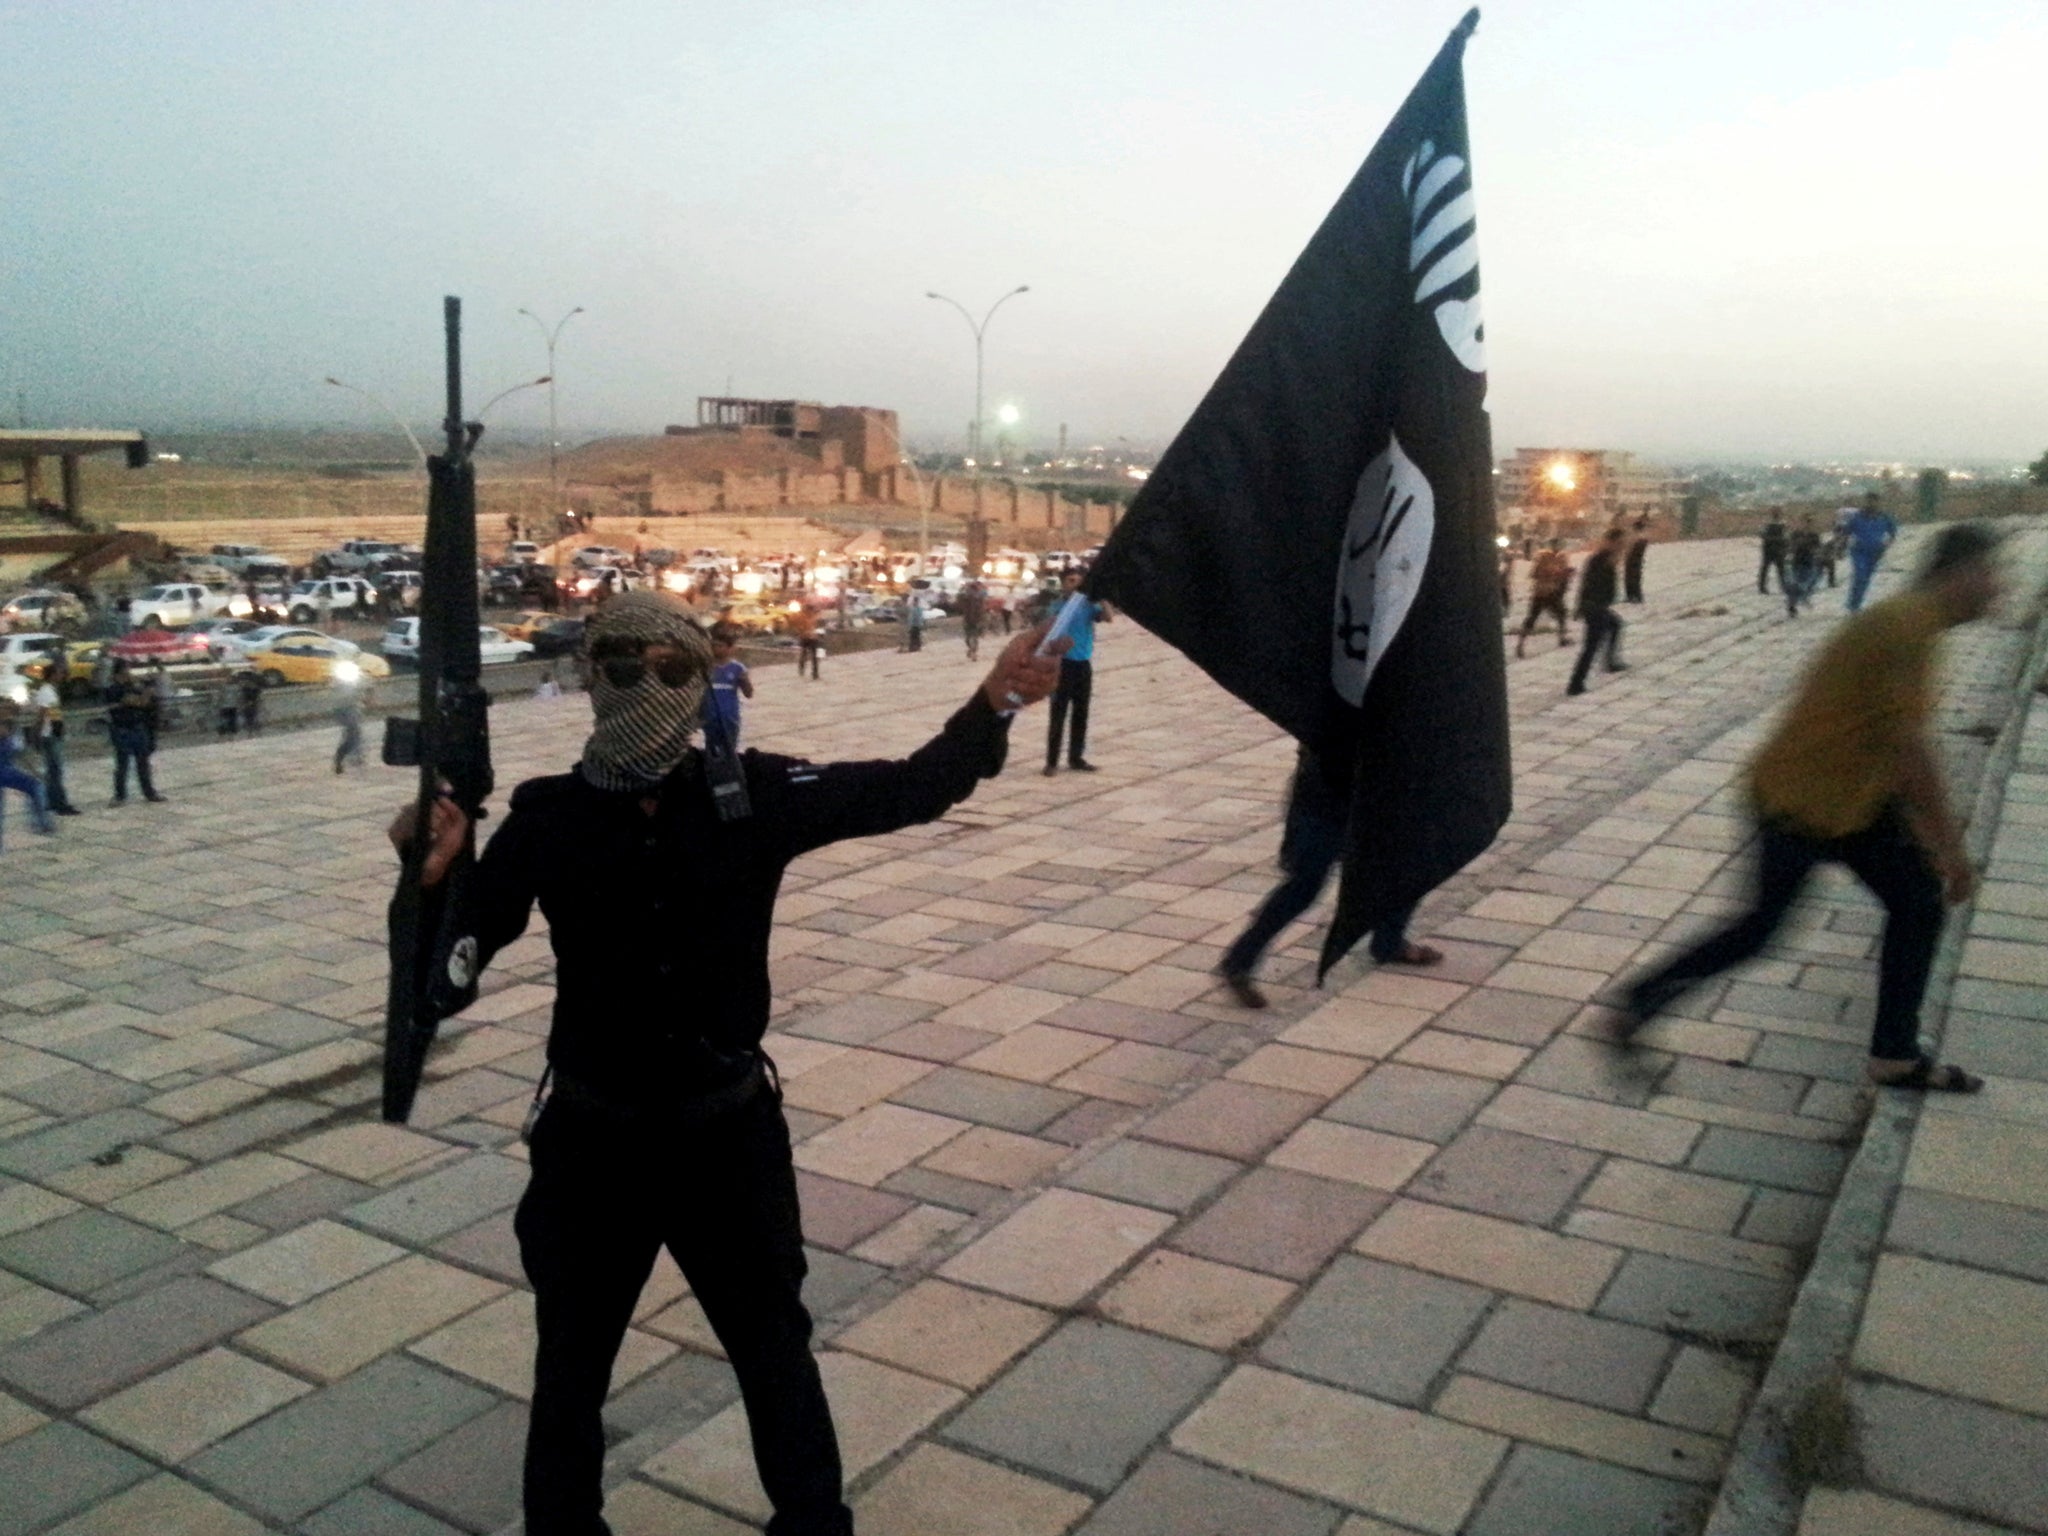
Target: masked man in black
664,1127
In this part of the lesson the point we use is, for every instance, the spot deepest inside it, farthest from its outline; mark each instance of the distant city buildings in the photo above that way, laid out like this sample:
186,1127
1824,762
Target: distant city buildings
1581,487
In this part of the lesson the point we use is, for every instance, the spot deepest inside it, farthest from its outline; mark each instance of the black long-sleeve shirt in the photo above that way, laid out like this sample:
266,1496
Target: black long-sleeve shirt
660,922
1596,584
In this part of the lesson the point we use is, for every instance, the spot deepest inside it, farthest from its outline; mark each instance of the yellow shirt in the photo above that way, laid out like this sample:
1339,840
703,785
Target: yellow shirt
1836,758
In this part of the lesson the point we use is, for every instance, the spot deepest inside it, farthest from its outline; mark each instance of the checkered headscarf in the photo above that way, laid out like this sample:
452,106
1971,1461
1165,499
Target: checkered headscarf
644,731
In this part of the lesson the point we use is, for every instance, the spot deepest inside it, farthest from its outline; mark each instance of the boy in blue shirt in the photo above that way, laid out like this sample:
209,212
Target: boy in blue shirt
1077,682
730,680
1869,534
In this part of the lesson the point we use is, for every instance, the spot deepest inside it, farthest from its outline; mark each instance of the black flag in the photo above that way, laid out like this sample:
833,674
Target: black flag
1319,537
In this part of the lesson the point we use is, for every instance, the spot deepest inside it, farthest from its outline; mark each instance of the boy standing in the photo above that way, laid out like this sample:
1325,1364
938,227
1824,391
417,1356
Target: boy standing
730,681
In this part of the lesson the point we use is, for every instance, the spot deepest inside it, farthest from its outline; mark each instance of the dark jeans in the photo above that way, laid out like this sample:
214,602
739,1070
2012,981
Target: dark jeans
1861,569
1549,604
1885,858
53,773
1603,627
915,639
31,788
721,1197
1799,589
350,747
807,654
132,747
1313,849
1770,562
1077,682
1632,580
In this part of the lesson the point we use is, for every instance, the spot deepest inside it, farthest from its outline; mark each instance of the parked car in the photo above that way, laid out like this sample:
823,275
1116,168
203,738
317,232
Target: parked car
177,602
20,652
172,647
243,649
590,580
356,554
522,552
401,642
317,659
42,608
215,634
557,637
249,561
344,594
593,555
521,626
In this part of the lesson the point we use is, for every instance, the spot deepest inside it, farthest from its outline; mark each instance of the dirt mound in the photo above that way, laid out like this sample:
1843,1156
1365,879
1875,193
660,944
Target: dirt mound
612,460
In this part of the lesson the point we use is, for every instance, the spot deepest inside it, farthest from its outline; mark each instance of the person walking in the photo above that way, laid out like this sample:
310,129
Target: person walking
46,735
730,682
15,777
1550,577
810,644
1869,534
1804,567
131,716
1318,807
661,1122
973,616
1632,565
913,617
348,714
1596,611
1077,685
1852,776
249,687
1772,552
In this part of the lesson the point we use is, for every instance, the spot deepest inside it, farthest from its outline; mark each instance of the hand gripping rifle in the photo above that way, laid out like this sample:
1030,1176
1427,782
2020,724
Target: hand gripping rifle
433,948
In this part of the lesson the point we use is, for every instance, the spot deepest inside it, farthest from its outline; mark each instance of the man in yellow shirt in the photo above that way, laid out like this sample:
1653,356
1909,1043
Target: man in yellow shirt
1851,777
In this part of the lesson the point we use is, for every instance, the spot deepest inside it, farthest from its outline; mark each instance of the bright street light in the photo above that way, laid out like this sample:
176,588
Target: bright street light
1009,415
978,327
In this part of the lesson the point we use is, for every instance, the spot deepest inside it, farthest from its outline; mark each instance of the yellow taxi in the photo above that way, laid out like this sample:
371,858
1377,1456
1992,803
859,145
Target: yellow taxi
756,614
316,659
521,626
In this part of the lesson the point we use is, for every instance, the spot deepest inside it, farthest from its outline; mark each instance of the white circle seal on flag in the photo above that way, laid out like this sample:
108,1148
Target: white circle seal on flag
1386,549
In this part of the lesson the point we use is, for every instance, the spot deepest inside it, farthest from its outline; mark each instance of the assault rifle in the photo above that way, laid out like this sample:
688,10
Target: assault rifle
433,951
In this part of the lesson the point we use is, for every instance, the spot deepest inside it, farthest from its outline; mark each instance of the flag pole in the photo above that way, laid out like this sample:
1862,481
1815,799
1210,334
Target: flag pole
1465,28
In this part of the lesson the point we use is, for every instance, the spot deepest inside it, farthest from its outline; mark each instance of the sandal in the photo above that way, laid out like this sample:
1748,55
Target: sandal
1929,1076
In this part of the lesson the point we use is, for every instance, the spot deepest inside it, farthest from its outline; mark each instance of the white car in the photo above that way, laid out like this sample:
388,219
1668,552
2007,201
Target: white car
401,642
41,608
594,555
360,554
239,650
177,602
344,594
27,650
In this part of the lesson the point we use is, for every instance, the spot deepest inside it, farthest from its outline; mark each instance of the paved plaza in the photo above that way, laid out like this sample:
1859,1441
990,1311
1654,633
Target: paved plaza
1093,1250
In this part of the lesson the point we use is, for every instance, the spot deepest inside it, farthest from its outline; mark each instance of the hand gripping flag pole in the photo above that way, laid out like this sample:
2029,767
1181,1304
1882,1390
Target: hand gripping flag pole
1319,537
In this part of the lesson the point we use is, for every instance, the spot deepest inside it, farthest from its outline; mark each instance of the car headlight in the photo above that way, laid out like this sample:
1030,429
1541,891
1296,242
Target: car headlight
347,673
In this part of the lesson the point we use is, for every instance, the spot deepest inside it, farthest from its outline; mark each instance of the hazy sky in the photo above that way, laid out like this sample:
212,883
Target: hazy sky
1746,226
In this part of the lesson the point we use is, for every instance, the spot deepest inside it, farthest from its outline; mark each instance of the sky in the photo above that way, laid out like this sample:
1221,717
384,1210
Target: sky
1707,227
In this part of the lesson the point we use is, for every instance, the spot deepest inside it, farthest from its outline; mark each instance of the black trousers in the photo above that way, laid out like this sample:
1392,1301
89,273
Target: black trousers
1887,859
1603,627
807,653
1540,605
134,747
1769,562
1632,579
721,1197
1077,682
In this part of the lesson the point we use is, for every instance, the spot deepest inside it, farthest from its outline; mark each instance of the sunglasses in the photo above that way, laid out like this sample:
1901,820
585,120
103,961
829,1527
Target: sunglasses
625,662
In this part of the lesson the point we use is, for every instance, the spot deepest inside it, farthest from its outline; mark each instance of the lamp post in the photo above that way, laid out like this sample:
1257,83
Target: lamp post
979,327
383,405
554,434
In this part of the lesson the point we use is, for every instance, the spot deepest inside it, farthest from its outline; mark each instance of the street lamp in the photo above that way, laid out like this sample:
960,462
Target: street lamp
545,378
978,327
383,405
554,433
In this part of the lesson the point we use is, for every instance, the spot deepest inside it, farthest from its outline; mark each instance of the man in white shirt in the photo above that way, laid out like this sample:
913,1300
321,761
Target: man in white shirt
46,733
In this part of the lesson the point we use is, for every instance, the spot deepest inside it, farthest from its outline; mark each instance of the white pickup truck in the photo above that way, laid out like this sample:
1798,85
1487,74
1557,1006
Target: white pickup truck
359,554
341,594
176,602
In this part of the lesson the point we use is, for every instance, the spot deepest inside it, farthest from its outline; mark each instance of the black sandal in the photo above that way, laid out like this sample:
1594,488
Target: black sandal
1930,1076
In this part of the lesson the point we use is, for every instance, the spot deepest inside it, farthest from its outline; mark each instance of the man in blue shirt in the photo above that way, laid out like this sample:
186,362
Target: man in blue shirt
1077,681
1869,534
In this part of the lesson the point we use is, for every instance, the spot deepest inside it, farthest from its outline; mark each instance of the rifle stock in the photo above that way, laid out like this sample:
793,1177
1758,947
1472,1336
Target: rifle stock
433,948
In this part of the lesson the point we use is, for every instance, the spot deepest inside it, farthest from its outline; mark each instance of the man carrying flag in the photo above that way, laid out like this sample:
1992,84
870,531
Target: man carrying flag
1345,450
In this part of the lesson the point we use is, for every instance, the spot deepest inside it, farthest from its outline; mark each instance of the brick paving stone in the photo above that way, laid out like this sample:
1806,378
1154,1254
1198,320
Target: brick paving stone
1667,1194
1354,1451
1504,1174
1660,1292
867,1147
1589,1069
64,1146
833,1281
76,1362
435,1205
1704,1390
839,1215
490,1246
1504,1255
1355,1027
86,1251
1320,1073
1411,1101
25,1205
1352,1154
1286,1224
1168,1178
1003,1158
1170,1495
163,1506
368,1511
1586,1123
1085,1404
959,1335
986,1099
1544,1492
1568,1354
1958,1331
302,1263
2005,1162
365,1152
310,1453
495,1344
1781,1161
853,1080
1378,1328
302,1200
1981,1460
1859,1512
28,1309
344,1329
1058,1247
265,1120
936,1489
59,1470
1230,1119
1975,1232
186,1408
470,1477
678,1394
967,1196
1786,1218
1213,1305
